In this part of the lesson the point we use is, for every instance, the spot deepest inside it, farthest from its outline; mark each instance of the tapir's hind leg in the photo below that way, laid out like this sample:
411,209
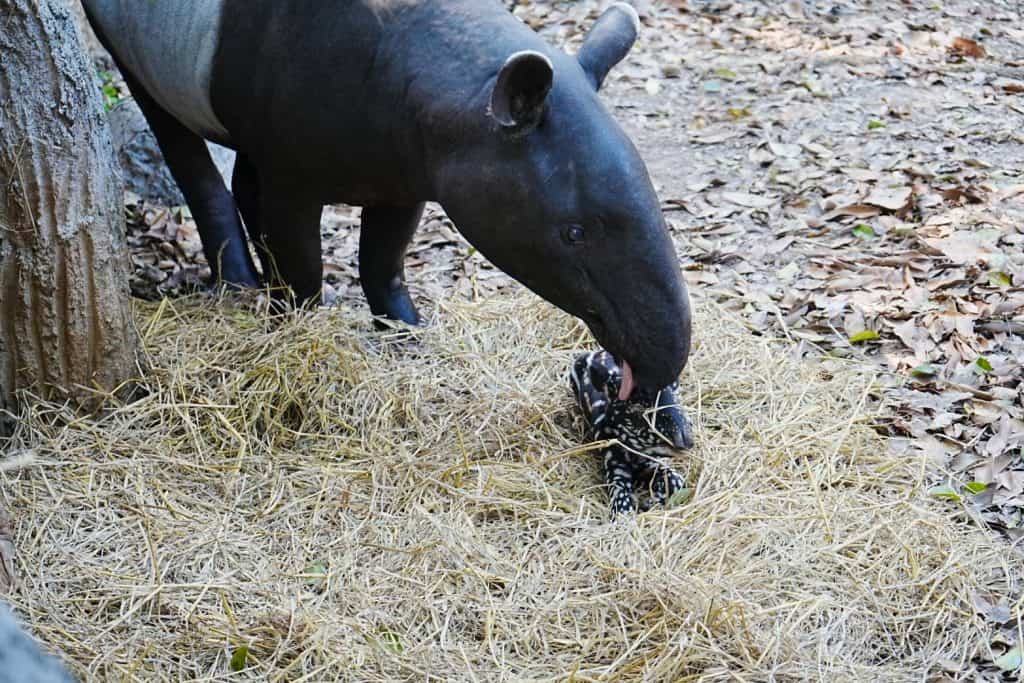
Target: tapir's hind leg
212,206
289,227
245,185
383,238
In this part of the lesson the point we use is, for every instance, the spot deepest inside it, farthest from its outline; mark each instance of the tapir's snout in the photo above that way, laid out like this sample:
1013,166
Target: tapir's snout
642,310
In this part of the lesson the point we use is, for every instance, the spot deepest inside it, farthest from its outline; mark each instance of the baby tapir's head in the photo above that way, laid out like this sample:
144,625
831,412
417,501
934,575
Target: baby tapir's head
649,422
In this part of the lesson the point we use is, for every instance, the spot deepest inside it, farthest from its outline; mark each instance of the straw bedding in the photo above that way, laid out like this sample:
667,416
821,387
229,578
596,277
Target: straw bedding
350,505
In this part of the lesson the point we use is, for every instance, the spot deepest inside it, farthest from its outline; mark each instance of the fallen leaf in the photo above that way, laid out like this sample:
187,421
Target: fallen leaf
893,199
925,370
944,492
967,48
865,231
998,278
1011,661
751,201
1010,86
315,572
967,246
679,497
855,210
239,657
391,641
961,195
790,271
863,336
1010,192
784,150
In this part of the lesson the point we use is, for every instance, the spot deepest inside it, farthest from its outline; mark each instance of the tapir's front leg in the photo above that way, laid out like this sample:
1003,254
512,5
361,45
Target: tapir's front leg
384,235
290,229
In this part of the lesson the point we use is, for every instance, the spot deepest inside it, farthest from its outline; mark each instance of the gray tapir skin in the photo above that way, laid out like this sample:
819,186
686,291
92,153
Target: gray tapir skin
387,104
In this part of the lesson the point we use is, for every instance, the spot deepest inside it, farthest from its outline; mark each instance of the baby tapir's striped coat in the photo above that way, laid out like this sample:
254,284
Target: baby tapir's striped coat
648,430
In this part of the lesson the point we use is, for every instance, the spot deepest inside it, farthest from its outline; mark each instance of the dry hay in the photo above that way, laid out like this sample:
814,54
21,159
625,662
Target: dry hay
349,506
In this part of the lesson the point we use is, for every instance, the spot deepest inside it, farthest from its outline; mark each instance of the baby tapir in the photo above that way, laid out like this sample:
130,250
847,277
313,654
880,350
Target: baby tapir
648,428
387,104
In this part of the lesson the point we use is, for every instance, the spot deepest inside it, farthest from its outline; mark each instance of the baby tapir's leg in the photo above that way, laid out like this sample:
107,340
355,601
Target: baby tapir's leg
619,478
665,482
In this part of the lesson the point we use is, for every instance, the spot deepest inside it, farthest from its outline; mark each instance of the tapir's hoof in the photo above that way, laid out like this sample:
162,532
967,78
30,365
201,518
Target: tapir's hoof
235,285
386,324
397,306
234,279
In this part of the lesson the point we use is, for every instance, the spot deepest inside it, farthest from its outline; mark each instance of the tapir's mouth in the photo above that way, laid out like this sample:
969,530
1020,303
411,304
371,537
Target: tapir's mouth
600,332
649,347
628,383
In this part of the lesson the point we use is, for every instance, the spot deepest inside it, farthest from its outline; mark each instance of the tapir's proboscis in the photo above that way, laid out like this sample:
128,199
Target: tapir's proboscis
388,104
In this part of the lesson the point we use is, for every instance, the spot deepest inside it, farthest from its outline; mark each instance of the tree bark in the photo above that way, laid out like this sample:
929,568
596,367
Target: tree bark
66,327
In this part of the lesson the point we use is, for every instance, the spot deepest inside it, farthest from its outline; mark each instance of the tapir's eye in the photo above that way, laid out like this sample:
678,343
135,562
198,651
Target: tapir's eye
574,234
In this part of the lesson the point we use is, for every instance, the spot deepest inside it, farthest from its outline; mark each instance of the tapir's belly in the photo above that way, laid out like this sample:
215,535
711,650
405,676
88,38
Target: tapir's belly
168,46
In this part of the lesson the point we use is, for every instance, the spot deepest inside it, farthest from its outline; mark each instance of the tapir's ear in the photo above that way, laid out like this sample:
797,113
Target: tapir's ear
521,91
609,40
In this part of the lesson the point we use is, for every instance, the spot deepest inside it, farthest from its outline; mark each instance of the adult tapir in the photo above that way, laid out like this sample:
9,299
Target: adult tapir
386,104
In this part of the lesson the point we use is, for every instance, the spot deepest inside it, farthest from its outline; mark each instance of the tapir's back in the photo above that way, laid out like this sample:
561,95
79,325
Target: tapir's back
168,46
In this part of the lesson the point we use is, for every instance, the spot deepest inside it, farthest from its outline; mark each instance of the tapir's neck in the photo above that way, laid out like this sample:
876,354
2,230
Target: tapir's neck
367,98
449,70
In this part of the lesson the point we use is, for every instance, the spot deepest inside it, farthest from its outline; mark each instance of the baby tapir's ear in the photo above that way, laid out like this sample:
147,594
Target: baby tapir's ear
609,40
520,94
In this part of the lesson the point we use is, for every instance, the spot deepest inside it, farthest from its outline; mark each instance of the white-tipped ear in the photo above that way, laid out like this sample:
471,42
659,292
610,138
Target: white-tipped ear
609,40
520,94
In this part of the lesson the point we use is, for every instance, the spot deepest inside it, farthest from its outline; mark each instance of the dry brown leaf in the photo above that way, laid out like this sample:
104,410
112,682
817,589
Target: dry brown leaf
890,198
751,201
963,246
1011,191
855,210
1010,86
967,48
787,151
863,175
963,195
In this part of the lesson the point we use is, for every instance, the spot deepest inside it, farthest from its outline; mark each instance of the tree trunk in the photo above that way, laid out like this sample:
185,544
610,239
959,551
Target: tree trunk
65,319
